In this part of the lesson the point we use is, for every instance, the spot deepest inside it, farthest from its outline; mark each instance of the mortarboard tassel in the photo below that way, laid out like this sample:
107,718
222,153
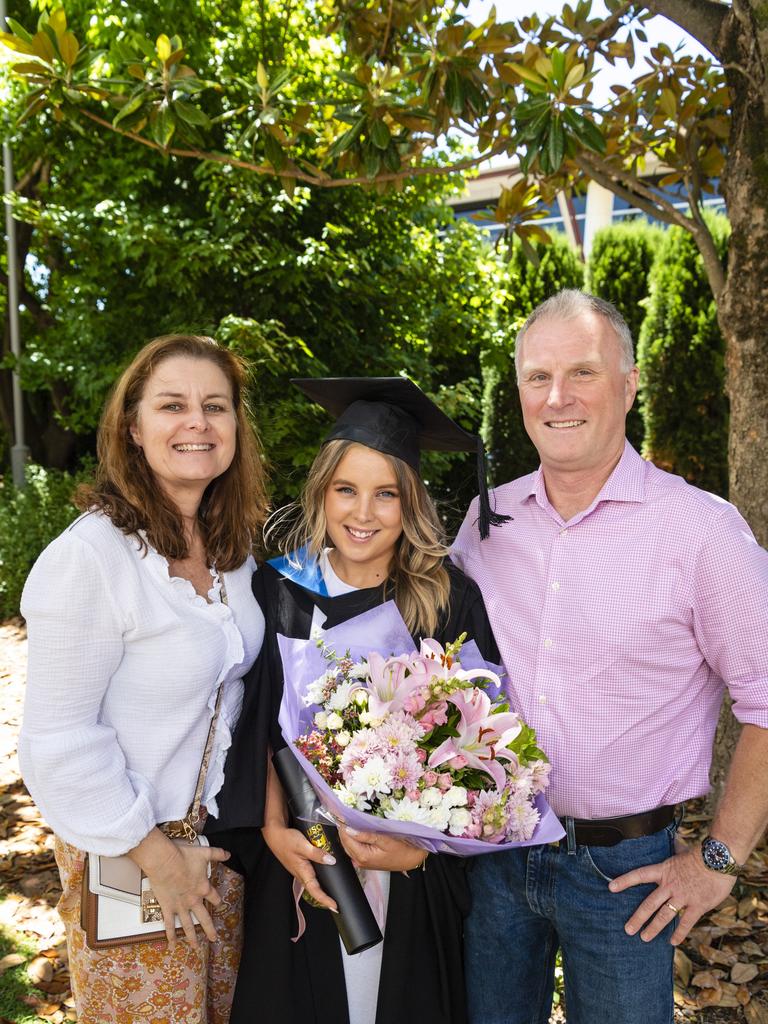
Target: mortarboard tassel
487,516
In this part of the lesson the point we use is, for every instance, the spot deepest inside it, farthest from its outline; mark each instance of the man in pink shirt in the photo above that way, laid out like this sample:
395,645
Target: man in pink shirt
624,602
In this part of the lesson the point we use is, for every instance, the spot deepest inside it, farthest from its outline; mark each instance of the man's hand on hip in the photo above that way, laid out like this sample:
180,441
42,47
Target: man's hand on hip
684,886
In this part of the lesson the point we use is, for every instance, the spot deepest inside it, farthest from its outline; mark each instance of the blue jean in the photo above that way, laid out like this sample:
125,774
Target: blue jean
528,902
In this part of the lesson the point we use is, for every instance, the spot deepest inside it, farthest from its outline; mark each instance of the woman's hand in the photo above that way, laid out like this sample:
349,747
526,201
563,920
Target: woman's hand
380,852
297,855
178,878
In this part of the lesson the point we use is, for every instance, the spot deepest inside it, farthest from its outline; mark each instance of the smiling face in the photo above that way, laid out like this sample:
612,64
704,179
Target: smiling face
575,394
186,426
363,516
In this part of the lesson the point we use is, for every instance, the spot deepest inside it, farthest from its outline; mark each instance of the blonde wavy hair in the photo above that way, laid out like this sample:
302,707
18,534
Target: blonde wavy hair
417,579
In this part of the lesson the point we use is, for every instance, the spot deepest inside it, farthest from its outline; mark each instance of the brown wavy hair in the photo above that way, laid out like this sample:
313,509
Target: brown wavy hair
234,505
417,578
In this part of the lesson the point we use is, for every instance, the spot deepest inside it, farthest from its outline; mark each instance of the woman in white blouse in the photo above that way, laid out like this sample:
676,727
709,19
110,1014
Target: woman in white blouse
136,615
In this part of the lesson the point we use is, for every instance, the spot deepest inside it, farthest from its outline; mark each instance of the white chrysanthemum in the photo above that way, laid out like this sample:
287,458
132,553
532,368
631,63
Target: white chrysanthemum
408,810
459,820
456,796
340,698
358,671
335,721
343,737
373,777
321,720
345,795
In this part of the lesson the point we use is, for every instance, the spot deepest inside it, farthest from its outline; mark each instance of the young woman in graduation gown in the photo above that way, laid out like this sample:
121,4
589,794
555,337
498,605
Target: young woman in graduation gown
366,532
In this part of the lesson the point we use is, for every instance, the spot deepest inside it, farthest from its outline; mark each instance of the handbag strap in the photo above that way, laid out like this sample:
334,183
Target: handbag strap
186,827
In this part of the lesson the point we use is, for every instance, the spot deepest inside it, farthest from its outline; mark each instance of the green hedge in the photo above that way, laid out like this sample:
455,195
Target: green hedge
29,520
510,451
682,366
618,270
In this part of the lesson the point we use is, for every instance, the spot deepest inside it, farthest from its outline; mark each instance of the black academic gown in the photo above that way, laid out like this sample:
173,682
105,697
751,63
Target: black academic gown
282,982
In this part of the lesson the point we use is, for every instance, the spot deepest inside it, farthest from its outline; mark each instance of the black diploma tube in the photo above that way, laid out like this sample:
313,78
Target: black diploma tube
355,921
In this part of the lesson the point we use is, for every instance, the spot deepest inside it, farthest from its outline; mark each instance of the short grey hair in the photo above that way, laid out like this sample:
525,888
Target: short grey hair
571,303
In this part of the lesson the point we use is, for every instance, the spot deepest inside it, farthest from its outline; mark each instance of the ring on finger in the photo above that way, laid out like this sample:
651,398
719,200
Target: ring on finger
675,910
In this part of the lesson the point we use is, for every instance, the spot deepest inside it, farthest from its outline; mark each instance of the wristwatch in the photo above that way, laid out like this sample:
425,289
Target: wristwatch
717,857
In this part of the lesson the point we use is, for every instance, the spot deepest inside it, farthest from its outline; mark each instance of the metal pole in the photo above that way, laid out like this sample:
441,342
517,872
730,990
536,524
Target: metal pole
19,451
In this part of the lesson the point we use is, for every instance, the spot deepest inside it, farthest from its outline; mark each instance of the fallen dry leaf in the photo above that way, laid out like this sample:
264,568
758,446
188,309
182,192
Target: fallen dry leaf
11,960
40,970
718,956
707,979
756,1012
683,966
741,972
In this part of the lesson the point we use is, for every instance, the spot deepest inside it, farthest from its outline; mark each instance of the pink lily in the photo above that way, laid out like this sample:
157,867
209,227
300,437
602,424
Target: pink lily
390,683
440,665
483,738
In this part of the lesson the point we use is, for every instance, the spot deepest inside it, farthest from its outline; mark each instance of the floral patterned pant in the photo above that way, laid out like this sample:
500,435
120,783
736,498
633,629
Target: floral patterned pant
144,983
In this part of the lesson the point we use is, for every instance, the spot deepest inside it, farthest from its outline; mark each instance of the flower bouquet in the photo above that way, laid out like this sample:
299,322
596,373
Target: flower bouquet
418,744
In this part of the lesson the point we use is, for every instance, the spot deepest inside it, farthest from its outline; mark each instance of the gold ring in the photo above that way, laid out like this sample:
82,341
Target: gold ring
674,909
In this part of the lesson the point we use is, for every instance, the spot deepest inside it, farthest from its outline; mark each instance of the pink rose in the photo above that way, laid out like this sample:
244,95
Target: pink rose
430,778
444,782
421,755
413,794
458,762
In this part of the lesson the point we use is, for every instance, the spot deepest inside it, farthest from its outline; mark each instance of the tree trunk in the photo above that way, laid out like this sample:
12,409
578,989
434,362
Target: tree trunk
741,307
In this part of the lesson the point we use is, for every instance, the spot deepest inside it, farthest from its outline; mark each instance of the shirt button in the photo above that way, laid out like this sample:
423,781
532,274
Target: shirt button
542,698
547,642
563,532
555,585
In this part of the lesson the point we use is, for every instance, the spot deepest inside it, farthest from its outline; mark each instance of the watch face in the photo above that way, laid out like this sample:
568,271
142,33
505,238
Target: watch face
716,854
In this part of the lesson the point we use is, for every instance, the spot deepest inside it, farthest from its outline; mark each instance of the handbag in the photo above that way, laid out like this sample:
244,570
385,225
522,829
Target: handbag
117,905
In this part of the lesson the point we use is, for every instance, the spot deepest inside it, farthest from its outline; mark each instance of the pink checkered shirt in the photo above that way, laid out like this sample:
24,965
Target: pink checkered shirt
618,629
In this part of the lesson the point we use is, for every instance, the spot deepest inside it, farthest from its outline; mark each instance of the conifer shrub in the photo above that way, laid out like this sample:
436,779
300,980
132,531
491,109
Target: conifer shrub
681,354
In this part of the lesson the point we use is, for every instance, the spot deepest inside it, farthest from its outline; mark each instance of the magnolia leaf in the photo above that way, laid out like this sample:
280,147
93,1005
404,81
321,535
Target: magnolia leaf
574,76
556,143
18,29
191,114
136,71
58,21
11,960
274,152
17,45
27,68
380,134
34,107
289,185
392,160
526,74
741,972
163,47
43,47
130,107
668,102
68,48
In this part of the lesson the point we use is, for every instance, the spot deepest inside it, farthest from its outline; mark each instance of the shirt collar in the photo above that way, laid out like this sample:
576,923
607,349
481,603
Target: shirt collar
626,483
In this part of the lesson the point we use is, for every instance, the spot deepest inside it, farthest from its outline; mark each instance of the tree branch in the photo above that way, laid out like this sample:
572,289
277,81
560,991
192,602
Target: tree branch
634,192
294,172
702,19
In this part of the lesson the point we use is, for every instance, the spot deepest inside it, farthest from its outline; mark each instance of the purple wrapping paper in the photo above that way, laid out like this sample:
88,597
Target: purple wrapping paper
381,629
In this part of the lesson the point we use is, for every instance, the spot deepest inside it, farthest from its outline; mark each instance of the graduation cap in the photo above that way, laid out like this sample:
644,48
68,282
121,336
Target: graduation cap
393,416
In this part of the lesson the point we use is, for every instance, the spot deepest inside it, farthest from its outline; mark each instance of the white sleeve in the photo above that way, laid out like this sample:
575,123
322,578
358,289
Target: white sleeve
71,762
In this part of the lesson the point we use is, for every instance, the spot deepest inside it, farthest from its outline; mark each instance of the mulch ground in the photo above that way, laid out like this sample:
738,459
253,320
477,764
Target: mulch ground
721,974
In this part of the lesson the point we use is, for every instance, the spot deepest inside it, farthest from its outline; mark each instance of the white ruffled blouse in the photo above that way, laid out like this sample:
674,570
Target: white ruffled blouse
124,665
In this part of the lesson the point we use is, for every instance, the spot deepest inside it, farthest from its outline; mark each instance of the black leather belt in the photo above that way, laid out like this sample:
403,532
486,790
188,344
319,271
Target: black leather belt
609,831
